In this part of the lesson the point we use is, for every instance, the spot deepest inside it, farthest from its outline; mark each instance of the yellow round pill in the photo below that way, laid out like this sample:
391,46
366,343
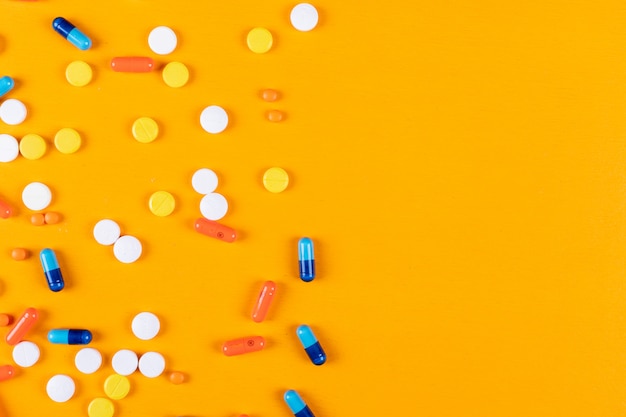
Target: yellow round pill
145,129
67,140
101,407
162,203
32,146
175,74
260,40
116,387
78,73
275,180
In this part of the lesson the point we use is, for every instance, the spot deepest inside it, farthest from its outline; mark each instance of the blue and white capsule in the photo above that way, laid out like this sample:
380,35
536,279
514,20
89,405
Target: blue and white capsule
311,346
6,85
51,270
306,259
297,406
71,33
70,336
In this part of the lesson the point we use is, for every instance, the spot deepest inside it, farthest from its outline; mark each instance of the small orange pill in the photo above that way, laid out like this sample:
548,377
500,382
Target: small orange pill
5,210
19,254
243,345
52,217
177,378
37,219
6,372
5,320
275,116
269,95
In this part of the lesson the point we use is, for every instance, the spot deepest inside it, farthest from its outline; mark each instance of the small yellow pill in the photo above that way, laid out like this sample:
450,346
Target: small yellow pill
67,140
101,407
78,73
175,74
145,130
275,180
162,203
32,146
260,40
116,387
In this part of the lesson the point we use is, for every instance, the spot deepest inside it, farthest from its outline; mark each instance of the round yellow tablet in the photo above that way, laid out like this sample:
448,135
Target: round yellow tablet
78,73
32,146
116,387
145,129
162,203
260,40
275,180
101,407
67,140
175,74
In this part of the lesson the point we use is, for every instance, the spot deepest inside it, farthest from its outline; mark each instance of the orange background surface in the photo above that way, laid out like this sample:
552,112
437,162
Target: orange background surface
460,166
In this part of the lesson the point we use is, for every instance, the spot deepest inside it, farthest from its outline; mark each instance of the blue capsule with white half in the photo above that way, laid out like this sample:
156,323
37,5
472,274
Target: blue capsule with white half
306,259
71,33
51,270
70,336
311,346
6,85
297,405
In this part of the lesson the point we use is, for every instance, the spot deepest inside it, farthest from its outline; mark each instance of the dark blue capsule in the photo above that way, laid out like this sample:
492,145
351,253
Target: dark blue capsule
306,259
311,346
51,270
70,336
297,405
71,33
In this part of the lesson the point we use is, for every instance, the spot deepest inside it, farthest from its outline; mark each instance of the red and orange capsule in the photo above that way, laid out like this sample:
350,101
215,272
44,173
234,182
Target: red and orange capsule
243,345
132,64
215,230
6,372
22,326
264,301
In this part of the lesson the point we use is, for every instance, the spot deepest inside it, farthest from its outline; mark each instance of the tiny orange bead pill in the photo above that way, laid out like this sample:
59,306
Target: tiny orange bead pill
6,372
5,320
52,217
243,345
19,254
37,219
275,116
177,378
269,95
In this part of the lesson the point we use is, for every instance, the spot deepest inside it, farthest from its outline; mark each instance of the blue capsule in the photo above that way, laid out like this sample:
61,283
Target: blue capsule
70,336
311,346
73,35
297,406
51,270
306,259
6,85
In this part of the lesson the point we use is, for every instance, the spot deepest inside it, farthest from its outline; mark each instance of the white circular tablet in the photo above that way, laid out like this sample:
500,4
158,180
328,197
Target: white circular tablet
125,362
26,354
127,249
204,181
162,40
36,196
88,360
9,148
151,364
146,325
106,232
60,388
213,206
214,119
12,111
304,17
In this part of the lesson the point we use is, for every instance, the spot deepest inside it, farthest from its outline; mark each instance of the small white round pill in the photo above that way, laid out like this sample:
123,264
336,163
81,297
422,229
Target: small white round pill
9,148
106,232
151,364
60,388
127,249
304,17
214,119
26,354
36,196
213,206
162,40
125,362
88,360
204,181
12,111
146,325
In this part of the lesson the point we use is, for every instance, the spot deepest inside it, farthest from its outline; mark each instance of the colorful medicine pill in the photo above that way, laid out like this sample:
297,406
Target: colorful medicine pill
70,336
311,346
38,219
269,95
6,372
71,33
5,320
19,254
51,270
177,377
264,301
22,326
6,85
52,217
306,259
5,210
215,230
275,116
297,405
243,345
132,64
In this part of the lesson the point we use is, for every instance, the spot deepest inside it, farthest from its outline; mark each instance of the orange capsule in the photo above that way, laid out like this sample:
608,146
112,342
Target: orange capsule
19,254
177,377
132,64
52,217
265,300
216,230
275,116
243,345
6,372
5,210
38,219
22,326
269,95
5,320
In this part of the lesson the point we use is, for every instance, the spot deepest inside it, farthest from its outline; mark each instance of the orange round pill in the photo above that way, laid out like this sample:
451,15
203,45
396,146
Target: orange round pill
275,115
177,378
37,219
19,254
5,320
52,217
269,95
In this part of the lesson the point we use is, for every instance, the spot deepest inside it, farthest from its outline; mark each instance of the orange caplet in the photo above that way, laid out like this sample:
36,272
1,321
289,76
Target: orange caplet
243,345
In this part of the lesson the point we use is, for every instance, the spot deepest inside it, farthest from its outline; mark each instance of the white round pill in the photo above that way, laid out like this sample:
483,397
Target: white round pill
151,364
9,148
146,325
214,119
213,206
162,40
125,362
12,112
26,354
36,196
88,360
127,249
204,181
304,17
106,232
60,388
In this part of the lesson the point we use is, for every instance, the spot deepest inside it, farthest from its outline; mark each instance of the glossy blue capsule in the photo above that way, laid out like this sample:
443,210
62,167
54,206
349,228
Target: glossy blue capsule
297,406
51,270
306,259
311,346
69,336
71,33
6,85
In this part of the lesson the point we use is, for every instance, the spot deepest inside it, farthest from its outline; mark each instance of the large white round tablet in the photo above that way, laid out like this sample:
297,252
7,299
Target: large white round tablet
162,40
125,362
26,354
36,196
213,206
60,388
304,17
151,364
106,232
88,360
12,111
214,119
127,249
9,148
146,325
204,181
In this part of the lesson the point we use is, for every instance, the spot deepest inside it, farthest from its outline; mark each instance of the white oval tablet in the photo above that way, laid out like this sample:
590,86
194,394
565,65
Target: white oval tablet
151,364
146,325
125,362
304,17
127,249
204,181
88,360
60,388
162,40
213,206
214,119
26,354
9,148
36,196
12,111
106,232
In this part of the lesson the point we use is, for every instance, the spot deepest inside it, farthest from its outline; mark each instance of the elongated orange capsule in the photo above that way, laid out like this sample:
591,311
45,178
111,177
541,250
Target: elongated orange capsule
22,326
132,64
265,300
216,230
243,345
6,372
5,210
